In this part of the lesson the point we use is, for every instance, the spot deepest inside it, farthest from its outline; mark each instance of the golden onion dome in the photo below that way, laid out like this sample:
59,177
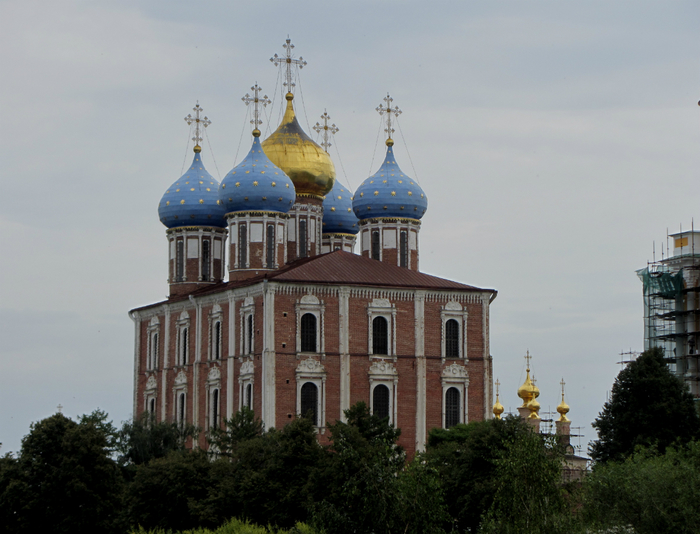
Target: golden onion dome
307,164
563,409
498,409
534,407
527,390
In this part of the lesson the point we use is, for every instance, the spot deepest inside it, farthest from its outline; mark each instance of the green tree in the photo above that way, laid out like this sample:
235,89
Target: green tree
529,495
143,439
243,426
465,456
63,477
649,406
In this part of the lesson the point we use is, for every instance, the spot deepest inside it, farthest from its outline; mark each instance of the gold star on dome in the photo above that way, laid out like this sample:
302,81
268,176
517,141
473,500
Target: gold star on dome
201,182
333,209
187,183
376,193
238,184
400,181
339,197
410,194
201,201
274,184
349,210
208,189
255,183
192,189
177,190
384,181
182,201
393,193
167,203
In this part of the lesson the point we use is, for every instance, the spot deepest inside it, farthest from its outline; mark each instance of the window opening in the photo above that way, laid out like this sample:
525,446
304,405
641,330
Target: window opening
242,245
249,396
250,335
270,246
452,339
302,238
308,333
179,261
181,409
215,409
152,406
404,248
217,341
309,402
205,260
380,336
380,401
183,348
375,244
452,407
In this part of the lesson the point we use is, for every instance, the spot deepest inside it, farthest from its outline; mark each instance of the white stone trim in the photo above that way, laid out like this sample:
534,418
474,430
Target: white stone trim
311,370
421,372
456,375
382,308
311,304
384,372
453,310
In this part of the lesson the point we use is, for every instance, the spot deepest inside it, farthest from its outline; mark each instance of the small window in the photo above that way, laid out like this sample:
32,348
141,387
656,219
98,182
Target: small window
404,248
215,408
249,397
242,246
249,336
308,333
216,341
302,238
179,261
452,404
452,339
181,408
206,274
309,402
380,401
152,359
380,336
184,343
152,407
375,244
270,246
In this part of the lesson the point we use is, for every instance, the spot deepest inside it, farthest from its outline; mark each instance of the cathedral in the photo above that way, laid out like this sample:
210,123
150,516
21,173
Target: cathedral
271,308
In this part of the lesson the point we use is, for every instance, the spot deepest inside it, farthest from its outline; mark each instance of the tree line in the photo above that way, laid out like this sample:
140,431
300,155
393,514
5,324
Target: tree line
494,476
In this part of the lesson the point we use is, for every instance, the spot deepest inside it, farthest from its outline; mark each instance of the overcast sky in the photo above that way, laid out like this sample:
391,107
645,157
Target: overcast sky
556,141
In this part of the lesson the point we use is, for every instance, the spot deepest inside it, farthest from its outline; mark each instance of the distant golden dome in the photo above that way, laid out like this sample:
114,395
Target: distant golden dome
527,390
498,409
534,408
307,164
563,409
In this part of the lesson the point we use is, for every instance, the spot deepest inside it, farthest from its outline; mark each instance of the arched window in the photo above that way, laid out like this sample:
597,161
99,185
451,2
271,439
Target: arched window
181,408
309,402
183,345
152,360
452,339
216,341
403,248
249,396
375,244
303,238
270,252
242,246
179,261
380,401
308,332
380,336
152,407
249,336
215,408
452,403
205,260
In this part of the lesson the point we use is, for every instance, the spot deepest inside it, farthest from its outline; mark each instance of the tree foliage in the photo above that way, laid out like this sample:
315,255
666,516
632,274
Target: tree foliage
143,439
649,406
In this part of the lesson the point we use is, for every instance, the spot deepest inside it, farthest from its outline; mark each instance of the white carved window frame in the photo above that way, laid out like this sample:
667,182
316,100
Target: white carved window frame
152,349
311,370
216,316
454,310
456,375
384,373
183,339
246,378
150,396
382,308
180,388
247,346
213,384
311,304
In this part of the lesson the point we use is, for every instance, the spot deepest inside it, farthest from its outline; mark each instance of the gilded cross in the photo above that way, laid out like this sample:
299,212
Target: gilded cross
388,111
256,100
289,62
498,386
562,389
59,408
202,122
327,130
527,359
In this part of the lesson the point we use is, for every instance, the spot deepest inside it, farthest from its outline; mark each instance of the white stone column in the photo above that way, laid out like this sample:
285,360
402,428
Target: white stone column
230,383
137,345
421,371
344,349
166,365
268,357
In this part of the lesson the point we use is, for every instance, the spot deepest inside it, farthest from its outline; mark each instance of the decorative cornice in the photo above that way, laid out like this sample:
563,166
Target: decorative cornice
257,213
376,220
185,229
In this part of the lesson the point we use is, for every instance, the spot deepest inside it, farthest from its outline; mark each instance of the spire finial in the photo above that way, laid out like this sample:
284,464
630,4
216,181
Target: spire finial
562,389
527,359
389,111
256,99
327,130
498,407
199,124
288,61
563,408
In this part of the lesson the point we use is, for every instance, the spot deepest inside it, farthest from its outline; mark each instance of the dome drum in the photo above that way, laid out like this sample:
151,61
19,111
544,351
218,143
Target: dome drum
196,257
257,242
391,240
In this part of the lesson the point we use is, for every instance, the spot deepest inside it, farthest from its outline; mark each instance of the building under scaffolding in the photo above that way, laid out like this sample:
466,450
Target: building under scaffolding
672,307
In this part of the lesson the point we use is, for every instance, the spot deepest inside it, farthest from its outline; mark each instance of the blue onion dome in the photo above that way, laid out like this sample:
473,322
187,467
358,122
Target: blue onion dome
389,193
256,184
338,217
193,200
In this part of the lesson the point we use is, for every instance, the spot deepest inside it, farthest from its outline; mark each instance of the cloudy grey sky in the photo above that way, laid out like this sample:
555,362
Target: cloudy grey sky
555,141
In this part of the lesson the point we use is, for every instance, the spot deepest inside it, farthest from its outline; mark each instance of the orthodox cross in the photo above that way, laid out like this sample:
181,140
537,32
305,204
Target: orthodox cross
327,130
198,122
389,111
562,389
256,100
288,61
59,408
498,385
528,358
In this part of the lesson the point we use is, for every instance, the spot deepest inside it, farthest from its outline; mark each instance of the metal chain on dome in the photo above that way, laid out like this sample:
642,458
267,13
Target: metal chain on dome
347,180
187,150
303,104
371,165
415,173
211,149
240,140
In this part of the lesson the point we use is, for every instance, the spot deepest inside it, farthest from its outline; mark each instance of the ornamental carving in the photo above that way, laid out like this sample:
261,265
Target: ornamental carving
310,365
214,374
181,379
248,301
381,303
247,368
309,299
383,368
151,383
453,306
455,371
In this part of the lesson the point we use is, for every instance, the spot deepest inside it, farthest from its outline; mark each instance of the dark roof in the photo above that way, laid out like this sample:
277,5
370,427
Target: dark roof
340,268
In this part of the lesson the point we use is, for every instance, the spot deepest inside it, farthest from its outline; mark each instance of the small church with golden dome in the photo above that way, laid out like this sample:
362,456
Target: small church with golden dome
271,308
